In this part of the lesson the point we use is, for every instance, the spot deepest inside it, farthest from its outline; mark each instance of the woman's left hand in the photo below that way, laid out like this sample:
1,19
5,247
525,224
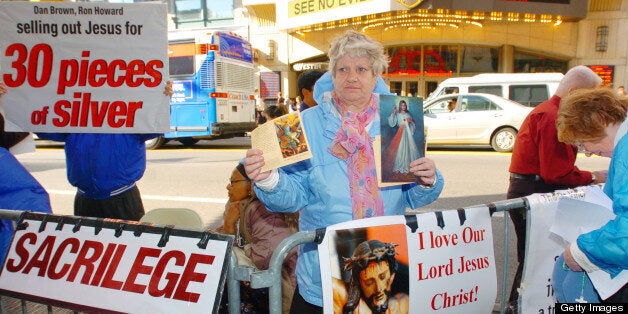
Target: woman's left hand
168,91
425,169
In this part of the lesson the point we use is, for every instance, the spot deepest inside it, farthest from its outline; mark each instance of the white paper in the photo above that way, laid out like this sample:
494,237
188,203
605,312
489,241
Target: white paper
575,217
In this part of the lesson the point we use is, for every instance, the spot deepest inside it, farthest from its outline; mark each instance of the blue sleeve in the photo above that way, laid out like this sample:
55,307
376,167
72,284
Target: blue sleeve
290,194
607,247
23,192
419,196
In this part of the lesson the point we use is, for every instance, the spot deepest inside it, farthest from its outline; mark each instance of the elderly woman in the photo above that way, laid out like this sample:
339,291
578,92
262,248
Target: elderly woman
595,121
339,182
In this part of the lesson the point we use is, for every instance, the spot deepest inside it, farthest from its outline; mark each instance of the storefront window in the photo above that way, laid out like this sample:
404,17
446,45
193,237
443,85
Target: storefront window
437,60
440,60
529,63
405,60
476,59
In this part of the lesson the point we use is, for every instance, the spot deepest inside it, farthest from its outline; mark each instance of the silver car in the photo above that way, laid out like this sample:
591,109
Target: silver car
473,119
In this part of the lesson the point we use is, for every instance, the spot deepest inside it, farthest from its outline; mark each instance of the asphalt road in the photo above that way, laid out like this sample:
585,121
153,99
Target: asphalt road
196,178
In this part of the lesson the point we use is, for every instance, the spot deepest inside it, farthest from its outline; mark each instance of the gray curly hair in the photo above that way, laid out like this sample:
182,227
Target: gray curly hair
358,45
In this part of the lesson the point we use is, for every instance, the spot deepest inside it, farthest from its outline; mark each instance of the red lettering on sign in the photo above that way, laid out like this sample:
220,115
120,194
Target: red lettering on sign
21,251
97,73
74,245
190,275
102,266
171,278
41,258
90,253
80,111
108,281
139,268
97,264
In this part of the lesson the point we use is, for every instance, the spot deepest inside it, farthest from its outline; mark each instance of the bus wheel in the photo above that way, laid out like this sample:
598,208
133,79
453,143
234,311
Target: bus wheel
504,139
188,141
155,143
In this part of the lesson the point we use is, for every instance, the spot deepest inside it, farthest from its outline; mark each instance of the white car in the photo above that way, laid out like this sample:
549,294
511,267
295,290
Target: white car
476,119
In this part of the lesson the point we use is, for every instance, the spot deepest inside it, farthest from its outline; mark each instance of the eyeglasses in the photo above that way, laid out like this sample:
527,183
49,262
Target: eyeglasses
236,181
581,148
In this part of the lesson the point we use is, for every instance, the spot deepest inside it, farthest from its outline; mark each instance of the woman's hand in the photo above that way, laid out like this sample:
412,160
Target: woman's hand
425,169
168,91
570,261
231,216
253,164
3,88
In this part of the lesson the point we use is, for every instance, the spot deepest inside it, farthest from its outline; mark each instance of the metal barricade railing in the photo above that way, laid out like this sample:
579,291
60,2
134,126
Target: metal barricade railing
271,277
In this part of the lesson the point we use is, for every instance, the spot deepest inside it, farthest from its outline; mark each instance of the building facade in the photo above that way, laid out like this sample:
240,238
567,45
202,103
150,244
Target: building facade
429,41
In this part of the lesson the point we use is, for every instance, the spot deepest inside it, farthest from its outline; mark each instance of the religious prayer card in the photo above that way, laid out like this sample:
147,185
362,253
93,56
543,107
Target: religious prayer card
402,137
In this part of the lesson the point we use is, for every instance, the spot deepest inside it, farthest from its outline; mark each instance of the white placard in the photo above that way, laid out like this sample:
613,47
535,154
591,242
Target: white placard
129,273
447,267
79,67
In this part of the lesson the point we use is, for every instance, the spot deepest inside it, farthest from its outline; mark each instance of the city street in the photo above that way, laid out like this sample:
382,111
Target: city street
196,178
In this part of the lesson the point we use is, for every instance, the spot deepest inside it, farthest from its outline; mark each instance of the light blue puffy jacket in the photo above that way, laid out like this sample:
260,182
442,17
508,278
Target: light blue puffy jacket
607,247
319,187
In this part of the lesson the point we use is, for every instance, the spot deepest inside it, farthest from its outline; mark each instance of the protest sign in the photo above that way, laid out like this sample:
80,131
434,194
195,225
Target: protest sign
557,219
542,249
84,67
445,262
109,265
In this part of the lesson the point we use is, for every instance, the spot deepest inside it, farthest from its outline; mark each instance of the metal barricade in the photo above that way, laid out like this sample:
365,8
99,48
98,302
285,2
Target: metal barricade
271,277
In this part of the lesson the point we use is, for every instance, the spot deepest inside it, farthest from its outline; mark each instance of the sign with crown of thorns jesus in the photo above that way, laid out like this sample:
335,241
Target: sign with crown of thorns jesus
436,262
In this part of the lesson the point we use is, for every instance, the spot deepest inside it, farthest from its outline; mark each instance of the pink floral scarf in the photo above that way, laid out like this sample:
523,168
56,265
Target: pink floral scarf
354,144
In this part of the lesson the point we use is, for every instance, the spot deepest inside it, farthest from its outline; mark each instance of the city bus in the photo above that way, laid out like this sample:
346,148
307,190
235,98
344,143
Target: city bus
213,79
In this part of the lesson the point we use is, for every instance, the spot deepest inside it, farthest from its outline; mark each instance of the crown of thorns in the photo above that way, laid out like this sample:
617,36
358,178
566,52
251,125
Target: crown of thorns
376,255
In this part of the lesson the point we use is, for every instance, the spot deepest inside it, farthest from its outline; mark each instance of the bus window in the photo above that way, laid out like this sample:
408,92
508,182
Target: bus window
181,58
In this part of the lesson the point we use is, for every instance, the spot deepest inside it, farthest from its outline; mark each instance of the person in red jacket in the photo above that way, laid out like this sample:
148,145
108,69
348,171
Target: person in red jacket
542,164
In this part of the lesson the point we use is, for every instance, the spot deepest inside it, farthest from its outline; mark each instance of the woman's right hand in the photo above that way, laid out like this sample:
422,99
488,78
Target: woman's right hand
253,164
3,88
